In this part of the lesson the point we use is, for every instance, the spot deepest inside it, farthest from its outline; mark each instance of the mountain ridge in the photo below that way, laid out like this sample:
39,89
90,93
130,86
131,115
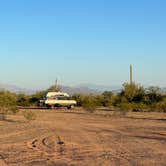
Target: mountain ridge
82,88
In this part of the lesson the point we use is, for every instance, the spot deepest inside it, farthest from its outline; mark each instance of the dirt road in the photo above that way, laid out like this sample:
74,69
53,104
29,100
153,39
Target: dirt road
62,138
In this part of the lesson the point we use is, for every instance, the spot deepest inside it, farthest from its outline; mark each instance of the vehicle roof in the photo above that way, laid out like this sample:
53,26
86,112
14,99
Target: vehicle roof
50,94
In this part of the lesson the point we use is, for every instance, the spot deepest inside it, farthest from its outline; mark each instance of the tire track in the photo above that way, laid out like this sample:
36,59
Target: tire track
51,145
2,161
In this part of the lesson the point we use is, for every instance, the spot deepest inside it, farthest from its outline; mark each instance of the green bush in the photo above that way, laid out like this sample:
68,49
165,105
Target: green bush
153,95
125,106
7,99
23,100
8,102
133,92
161,106
34,98
139,107
89,103
107,98
79,98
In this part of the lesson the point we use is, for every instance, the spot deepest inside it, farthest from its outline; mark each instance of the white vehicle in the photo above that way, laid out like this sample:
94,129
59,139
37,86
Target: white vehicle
59,99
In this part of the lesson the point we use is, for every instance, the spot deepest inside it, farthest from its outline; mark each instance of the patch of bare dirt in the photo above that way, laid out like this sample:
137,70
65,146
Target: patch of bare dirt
74,138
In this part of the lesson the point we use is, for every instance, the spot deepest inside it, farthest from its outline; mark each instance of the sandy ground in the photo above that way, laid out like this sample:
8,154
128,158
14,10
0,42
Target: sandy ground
69,138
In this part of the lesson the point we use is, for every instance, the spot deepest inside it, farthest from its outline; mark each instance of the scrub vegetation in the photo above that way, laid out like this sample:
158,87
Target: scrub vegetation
132,97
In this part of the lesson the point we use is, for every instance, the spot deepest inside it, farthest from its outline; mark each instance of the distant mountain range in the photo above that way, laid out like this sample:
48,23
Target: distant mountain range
82,88
79,89
102,88
16,89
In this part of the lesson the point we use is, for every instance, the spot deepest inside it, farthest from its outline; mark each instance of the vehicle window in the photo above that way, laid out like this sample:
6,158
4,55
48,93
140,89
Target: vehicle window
63,98
59,98
52,97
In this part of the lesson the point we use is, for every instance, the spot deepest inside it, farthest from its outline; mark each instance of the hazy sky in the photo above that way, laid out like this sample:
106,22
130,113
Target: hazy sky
82,41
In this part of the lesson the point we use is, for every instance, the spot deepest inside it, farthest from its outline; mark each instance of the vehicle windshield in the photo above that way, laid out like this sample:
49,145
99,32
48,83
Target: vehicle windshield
59,98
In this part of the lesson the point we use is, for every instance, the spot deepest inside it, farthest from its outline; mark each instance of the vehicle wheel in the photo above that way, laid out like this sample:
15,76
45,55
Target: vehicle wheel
70,107
52,107
48,106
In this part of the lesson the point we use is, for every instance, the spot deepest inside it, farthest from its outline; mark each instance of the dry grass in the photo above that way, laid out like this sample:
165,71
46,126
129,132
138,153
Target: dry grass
62,138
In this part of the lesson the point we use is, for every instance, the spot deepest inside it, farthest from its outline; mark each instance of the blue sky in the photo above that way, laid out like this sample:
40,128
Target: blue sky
82,41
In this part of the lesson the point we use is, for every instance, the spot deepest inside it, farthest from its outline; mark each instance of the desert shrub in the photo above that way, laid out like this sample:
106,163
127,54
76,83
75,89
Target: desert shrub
153,95
116,100
7,99
135,98
34,98
30,100
88,100
126,106
152,107
93,101
161,107
29,115
107,94
107,98
133,92
79,98
139,107
8,102
23,100
98,100
89,103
